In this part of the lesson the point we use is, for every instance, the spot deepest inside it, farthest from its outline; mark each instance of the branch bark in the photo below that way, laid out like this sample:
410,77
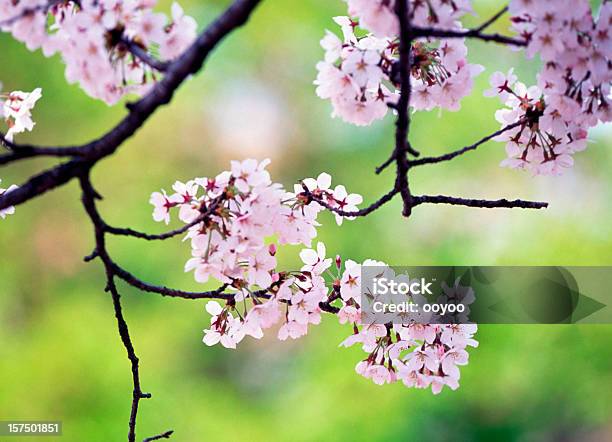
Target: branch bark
403,106
458,152
89,196
424,32
483,204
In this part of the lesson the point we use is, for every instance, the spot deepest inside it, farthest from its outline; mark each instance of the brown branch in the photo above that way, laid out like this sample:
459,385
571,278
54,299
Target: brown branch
458,152
391,159
141,54
359,213
165,435
172,233
19,152
403,106
425,32
492,20
485,204
166,291
89,196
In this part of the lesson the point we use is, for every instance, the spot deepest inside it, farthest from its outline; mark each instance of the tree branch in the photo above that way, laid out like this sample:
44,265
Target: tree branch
492,20
165,435
19,152
140,53
458,152
485,204
403,106
424,32
159,237
362,212
169,292
89,196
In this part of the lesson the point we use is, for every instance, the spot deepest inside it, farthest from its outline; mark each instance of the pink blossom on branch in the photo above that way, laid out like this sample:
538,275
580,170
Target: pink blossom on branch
16,109
97,40
245,212
573,91
359,74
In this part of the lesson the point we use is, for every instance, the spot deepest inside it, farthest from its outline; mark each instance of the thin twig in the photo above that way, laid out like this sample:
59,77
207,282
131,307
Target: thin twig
485,204
458,152
492,20
19,152
423,32
391,159
89,196
140,53
159,237
350,214
169,292
165,435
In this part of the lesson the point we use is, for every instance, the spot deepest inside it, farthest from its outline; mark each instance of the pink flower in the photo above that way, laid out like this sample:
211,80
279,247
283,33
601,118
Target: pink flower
350,284
315,261
162,206
260,267
250,173
346,202
501,85
349,314
17,111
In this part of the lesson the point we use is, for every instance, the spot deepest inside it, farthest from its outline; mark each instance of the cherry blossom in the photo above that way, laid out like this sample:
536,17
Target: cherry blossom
16,109
358,74
242,212
95,37
573,91
546,133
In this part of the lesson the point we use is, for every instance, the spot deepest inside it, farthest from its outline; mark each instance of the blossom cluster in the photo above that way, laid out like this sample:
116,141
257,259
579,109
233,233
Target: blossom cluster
94,39
9,210
238,221
573,90
235,215
16,110
420,349
360,73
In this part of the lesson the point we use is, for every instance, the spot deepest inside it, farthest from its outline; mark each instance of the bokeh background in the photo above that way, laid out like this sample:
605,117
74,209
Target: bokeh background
60,354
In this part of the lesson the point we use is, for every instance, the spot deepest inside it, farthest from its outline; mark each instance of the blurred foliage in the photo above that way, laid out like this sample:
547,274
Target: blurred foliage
61,357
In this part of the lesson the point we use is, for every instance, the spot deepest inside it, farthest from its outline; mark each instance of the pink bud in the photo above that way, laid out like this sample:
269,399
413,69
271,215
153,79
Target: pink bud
272,249
338,262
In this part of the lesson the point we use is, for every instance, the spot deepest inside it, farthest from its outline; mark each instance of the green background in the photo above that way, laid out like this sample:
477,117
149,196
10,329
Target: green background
60,354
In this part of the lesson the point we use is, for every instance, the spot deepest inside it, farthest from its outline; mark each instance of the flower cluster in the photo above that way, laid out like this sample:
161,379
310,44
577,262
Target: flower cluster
573,90
547,133
237,222
237,214
419,355
9,210
418,348
94,39
16,110
359,74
